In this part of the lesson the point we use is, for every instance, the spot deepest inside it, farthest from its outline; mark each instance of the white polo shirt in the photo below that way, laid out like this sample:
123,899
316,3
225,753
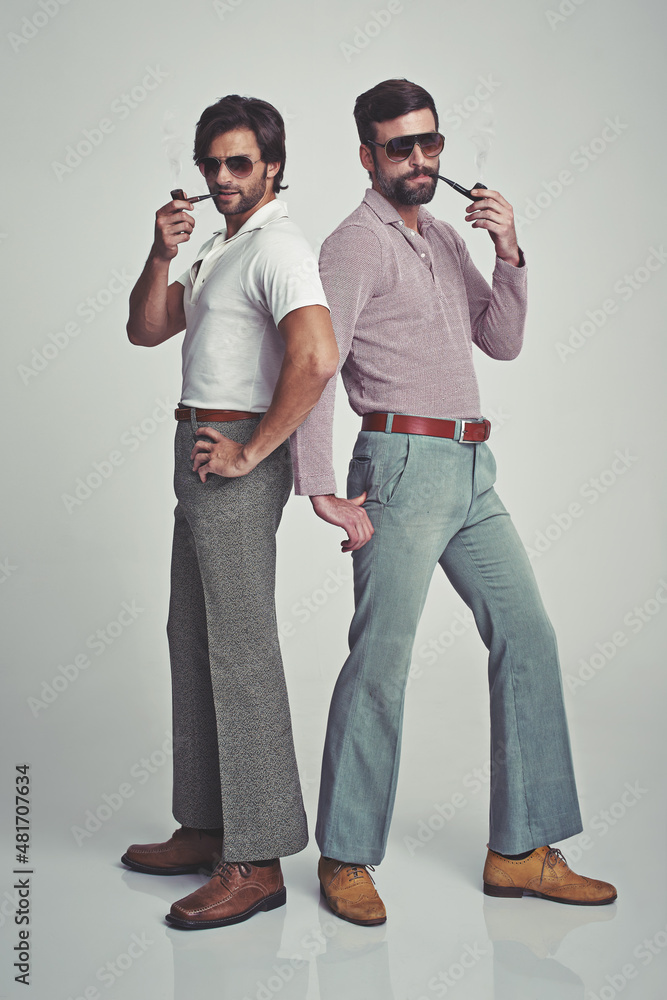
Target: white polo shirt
235,294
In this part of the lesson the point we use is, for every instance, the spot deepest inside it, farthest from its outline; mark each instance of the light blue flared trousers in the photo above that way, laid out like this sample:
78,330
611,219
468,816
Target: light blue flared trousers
431,501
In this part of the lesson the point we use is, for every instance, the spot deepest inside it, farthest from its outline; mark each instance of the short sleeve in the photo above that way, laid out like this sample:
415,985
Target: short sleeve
281,274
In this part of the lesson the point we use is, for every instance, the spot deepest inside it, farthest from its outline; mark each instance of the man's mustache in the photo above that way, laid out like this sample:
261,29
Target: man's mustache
421,171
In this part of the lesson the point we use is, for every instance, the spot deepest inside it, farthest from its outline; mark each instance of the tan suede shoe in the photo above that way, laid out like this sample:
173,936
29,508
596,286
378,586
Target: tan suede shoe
350,892
543,873
234,893
185,852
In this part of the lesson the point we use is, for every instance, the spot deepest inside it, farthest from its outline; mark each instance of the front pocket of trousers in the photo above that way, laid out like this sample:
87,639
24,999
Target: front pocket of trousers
485,469
393,471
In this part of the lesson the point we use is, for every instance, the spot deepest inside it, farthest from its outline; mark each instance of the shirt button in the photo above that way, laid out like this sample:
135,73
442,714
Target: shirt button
422,255
400,223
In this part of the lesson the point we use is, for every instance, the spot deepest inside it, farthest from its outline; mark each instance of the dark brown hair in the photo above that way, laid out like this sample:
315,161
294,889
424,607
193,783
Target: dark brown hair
387,100
260,117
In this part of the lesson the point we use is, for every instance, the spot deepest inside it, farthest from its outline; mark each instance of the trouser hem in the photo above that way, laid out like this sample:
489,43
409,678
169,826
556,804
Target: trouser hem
235,856
541,837
350,855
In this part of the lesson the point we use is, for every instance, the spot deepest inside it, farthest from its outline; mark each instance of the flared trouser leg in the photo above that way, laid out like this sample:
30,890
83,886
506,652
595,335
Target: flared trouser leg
432,500
234,761
196,790
533,798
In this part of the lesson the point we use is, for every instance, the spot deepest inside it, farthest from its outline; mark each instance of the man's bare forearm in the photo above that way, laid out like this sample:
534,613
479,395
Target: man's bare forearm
311,358
297,391
149,314
156,308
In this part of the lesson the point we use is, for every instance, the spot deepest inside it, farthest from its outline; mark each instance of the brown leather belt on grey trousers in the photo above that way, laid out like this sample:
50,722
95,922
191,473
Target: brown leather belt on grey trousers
219,416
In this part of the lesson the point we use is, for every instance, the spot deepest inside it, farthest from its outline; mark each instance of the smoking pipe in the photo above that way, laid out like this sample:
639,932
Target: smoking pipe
178,195
462,190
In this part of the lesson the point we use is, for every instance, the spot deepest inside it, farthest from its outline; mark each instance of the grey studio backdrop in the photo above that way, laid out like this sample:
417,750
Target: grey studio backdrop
100,103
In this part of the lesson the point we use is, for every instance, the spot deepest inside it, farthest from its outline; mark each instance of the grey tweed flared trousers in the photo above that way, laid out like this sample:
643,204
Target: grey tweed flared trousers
234,761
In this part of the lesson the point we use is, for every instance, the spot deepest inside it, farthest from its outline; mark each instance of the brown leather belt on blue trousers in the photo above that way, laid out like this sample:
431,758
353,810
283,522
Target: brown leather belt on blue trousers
465,431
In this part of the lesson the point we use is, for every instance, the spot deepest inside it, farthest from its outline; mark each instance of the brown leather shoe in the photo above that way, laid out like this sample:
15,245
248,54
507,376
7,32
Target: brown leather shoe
234,893
185,852
350,892
543,873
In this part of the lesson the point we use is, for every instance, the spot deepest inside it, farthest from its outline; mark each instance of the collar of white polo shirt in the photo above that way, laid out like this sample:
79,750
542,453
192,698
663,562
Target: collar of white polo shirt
214,248
274,209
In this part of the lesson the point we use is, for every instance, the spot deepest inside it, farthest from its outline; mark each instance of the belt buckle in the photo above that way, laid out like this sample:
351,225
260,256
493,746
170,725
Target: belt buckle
472,423
461,431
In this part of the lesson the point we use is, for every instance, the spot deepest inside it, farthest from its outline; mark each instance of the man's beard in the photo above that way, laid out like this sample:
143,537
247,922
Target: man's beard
396,189
249,197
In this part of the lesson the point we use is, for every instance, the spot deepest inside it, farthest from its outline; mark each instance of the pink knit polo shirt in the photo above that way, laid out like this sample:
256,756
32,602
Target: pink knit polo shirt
406,309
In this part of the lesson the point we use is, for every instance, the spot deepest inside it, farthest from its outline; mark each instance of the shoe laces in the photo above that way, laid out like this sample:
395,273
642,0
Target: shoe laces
354,872
552,858
225,869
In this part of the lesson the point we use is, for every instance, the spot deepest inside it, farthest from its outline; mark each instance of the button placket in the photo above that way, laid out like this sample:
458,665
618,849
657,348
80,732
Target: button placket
207,264
413,239
424,254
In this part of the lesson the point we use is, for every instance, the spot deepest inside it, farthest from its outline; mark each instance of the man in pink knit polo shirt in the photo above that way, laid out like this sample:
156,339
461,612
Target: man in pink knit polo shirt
407,305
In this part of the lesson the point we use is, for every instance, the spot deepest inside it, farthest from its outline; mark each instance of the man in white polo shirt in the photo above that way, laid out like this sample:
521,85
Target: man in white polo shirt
257,353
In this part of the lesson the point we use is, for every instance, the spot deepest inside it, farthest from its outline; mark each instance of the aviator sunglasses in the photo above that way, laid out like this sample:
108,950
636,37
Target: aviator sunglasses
430,143
238,166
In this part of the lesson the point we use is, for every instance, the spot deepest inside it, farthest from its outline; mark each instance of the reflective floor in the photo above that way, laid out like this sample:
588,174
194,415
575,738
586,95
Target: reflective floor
101,933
